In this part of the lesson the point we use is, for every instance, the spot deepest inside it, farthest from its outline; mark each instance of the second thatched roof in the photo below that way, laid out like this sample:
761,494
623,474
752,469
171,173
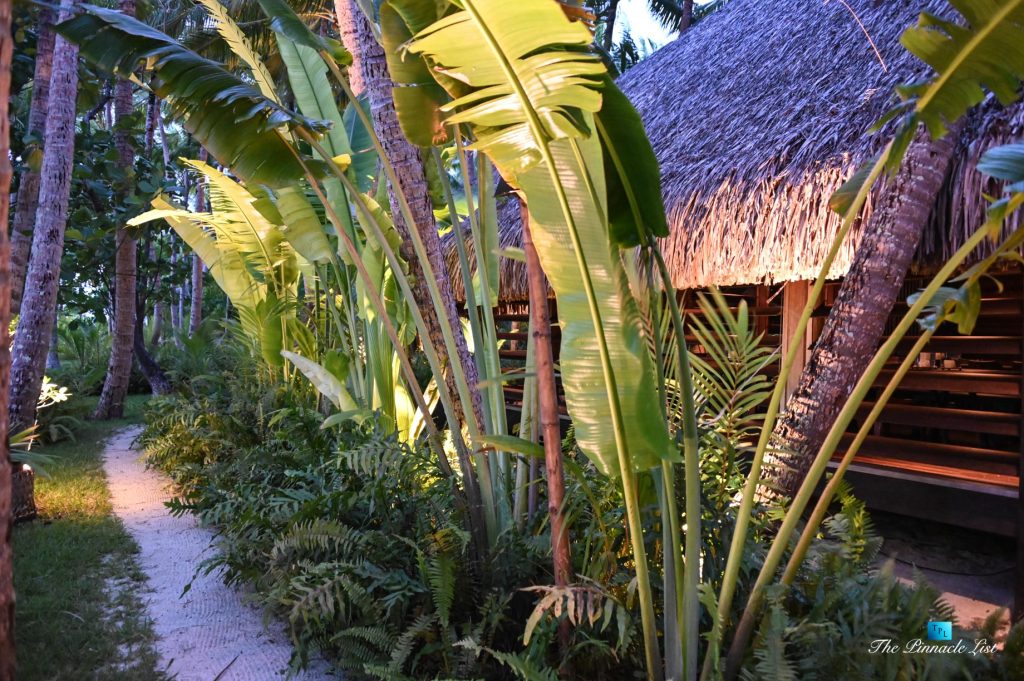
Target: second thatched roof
757,115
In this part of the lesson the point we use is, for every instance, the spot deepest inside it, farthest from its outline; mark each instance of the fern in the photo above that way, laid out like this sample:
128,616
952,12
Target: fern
770,651
319,536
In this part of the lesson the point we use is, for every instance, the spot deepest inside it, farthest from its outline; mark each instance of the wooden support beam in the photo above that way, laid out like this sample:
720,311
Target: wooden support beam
794,298
1018,595
760,302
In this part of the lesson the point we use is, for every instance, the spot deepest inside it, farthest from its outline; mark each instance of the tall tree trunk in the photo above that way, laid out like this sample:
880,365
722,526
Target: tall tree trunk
547,393
152,113
159,384
687,19
175,312
28,189
412,182
158,324
7,656
857,320
53,356
608,38
32,338
196,316
345,12
183,297
119,369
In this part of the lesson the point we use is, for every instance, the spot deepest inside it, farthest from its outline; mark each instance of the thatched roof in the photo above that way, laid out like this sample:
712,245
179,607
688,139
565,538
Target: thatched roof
757,115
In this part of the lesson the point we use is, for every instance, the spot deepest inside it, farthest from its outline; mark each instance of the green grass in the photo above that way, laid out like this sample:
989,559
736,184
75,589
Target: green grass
76,581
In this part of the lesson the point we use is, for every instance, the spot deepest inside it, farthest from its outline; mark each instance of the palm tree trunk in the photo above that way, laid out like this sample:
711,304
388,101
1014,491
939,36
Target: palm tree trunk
119,369
196,312
158,324
345,12
7,656
53,356
687,19
609,25
159,384
28,189
412,182
32,338
857,320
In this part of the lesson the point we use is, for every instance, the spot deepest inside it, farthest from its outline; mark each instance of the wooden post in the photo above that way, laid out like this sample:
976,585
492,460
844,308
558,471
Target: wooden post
794,298
1018,592
761,297
547,396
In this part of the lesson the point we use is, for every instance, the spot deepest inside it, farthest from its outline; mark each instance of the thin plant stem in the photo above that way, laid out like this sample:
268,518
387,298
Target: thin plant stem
793,515
743,513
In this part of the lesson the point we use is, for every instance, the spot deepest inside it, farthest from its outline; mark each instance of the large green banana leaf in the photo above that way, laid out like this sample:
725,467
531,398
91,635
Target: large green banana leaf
586,392
227,267
244,226
534,87
301,225
307,74
232,119
240,45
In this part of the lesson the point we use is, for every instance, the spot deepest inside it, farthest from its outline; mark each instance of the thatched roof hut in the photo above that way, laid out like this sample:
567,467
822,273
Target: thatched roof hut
757,115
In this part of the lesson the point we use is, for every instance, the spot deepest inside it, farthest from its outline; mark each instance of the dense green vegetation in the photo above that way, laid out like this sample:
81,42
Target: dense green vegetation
79,608
330,413
353,537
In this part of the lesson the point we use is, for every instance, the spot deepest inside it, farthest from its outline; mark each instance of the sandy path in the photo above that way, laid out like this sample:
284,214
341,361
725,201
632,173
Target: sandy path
210,628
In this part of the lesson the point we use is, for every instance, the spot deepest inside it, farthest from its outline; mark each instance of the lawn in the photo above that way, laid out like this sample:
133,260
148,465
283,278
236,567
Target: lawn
79,614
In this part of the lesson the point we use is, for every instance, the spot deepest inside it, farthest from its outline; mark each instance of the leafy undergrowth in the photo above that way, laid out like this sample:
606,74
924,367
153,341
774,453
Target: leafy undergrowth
79,615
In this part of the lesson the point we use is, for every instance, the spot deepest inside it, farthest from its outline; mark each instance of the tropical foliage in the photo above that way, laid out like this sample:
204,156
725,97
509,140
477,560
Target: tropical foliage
385,510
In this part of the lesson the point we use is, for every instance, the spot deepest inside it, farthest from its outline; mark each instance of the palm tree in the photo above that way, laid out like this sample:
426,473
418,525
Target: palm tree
28,187
6,558
119,369
196,313
408,166
857,320
32,338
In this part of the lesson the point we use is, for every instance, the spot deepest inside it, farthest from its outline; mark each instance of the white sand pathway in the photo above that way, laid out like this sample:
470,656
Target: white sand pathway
209,632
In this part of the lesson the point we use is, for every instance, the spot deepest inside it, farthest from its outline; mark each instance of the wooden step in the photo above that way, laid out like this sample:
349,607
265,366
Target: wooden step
940,472
999,383
971,460
945,418
967,345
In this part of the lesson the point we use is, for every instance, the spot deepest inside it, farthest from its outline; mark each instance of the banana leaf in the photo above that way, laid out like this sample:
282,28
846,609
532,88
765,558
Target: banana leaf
232,119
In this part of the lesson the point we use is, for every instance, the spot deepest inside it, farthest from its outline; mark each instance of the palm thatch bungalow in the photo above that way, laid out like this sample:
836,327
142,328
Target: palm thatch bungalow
757,115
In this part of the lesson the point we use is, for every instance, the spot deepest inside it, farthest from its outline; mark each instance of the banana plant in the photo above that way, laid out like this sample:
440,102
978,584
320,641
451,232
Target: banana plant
519,83
527,89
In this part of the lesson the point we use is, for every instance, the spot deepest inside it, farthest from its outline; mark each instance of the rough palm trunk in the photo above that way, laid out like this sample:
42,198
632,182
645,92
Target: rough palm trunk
183,293
6,556
53,357
857,320
119,369
158,324
412,182
28,188
609,25
196,311
345,12
687,19
32,338
159,384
